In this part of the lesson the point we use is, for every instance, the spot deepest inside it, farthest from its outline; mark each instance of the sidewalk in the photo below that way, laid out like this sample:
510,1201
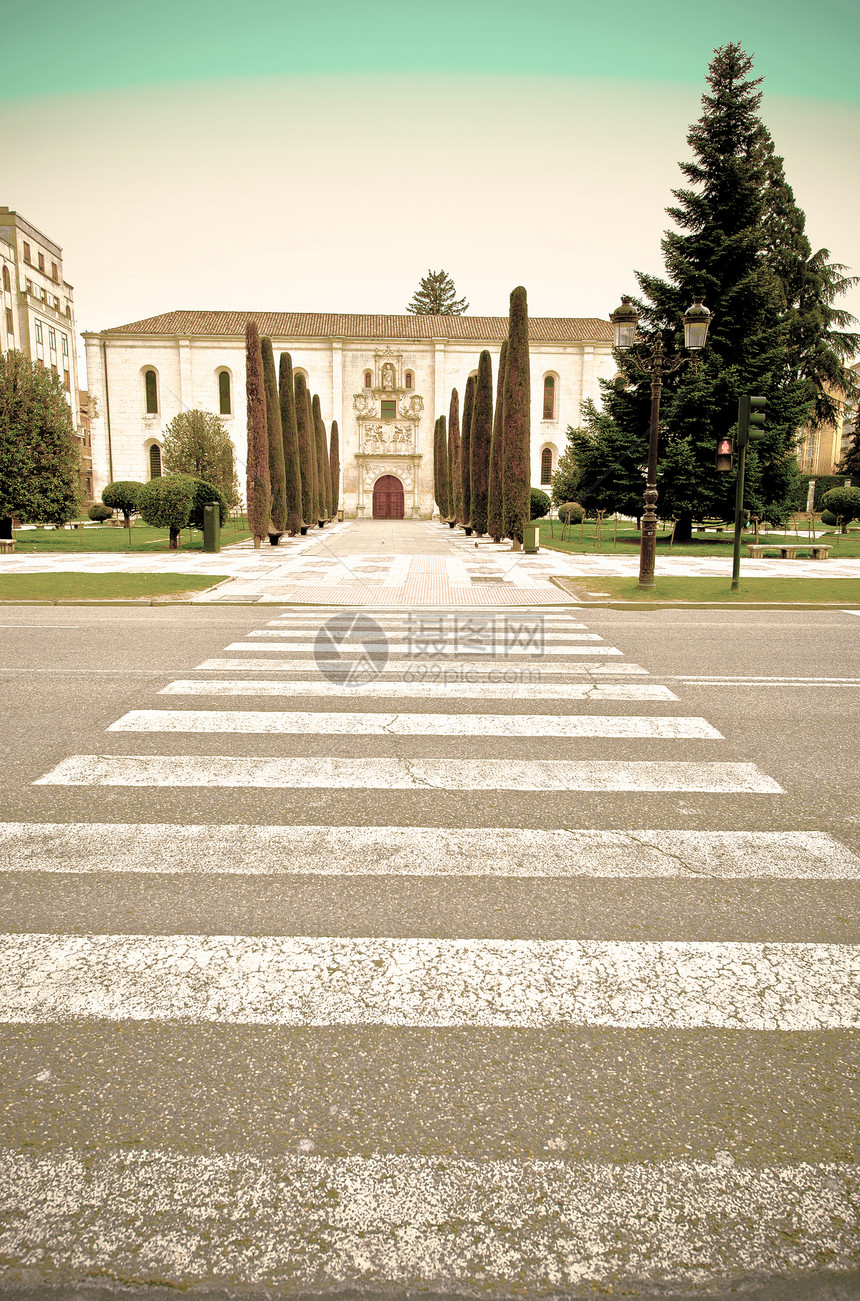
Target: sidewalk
403,564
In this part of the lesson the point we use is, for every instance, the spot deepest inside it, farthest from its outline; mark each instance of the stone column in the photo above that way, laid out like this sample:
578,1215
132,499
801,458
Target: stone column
186,392
337,410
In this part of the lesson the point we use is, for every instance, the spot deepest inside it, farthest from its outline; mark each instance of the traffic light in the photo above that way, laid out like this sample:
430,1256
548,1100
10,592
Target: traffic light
724,455
750,419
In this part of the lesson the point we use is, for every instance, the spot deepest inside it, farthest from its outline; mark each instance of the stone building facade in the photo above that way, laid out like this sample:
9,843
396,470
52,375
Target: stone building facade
384,379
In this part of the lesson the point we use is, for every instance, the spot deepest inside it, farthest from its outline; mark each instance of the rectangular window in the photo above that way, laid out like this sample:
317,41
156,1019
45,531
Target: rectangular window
54,273
27,257
29,286
389,408
41,261
39,338
52,338
54,367
67,383
10,329
65,343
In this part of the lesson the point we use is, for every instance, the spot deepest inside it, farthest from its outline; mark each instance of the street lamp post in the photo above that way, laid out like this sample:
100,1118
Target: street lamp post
624,320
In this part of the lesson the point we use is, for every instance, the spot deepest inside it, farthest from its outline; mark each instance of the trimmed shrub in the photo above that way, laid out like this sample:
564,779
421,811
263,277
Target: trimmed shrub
259,488
307,451
540,503
828,518
122,496
516,422
334,467
323,462
275,436
99,513
204,493
494,481
454,456
466,455
166,503
570,512
844,502
482,434
292,461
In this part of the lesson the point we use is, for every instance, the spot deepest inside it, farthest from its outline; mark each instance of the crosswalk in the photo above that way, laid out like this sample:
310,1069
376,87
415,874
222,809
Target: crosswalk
530,1059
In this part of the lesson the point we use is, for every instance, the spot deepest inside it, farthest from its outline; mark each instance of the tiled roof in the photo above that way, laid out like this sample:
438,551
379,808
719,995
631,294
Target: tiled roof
315,325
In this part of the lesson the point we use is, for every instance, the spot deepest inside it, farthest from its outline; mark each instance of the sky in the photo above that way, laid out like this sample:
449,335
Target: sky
323,156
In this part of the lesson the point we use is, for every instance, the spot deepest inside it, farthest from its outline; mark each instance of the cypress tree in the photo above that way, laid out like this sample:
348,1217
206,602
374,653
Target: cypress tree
259,495
454,455
317,495
277,475
495,504
482,432
466,456
444,497
323,471
334,468
516,423
440,457
292,460
307,451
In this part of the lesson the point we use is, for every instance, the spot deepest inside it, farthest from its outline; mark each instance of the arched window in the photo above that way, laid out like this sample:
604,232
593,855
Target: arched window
368,379
546,465
549,398
150,386
7,284
224,403
155,461
410,379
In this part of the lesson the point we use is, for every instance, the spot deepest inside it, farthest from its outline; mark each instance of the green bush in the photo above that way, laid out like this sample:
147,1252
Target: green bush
166,503
203,494
540,504
827,517
99,513
844,502
122,496
570,512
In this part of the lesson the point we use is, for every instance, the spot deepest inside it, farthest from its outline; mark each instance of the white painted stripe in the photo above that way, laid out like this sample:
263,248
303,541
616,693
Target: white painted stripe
471,688
402,622
445,639
330,980
309,723
424,670
246,850
356,648
771,682
305,1222
408,775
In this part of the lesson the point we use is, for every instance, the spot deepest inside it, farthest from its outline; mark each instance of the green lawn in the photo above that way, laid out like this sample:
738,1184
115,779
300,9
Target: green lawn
626,541
100,587
109,538
780,591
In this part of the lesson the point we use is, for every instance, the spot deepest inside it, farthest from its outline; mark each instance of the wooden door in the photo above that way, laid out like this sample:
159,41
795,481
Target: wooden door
388,502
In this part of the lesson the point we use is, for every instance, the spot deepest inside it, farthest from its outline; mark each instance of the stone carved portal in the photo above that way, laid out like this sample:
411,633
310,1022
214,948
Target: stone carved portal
388,498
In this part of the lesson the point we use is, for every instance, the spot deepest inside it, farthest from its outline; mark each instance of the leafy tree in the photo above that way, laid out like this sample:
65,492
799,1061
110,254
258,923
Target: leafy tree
482,433
495,502
844,503
289,428
334,467
540,503
39,454
206,494
437,296
307,451
121,495
275,438
323,469
516,422
601,466
259,491
740,246
466,455
454,455
167,502
850,463
196,443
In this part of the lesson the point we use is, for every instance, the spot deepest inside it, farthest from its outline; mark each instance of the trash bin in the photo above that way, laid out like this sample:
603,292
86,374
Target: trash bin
531,537
212,527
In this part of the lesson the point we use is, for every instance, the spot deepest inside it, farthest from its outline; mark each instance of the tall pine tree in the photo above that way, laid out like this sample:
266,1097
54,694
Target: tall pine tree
292,460
277,474
466,456
741,246
482,432
259,496
436,296
495,501
516,423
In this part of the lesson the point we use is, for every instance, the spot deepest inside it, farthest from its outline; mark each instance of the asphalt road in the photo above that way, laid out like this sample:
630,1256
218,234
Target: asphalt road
182,1127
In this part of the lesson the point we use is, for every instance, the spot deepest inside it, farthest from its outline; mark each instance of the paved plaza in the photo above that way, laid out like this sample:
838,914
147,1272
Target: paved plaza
406,564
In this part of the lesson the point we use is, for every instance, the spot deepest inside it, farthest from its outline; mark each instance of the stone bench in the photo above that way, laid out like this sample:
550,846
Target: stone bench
7,545
789,550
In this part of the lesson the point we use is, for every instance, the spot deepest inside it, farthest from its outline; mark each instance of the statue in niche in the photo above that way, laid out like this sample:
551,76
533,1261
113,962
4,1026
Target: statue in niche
389,376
